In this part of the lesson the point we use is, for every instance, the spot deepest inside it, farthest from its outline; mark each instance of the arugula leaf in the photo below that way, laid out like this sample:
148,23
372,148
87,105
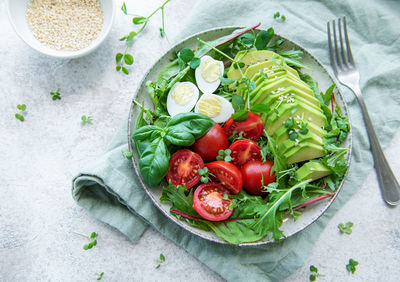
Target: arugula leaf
180,198
235,232
272,149
154,162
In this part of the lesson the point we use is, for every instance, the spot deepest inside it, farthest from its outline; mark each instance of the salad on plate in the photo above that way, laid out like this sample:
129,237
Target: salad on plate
239,137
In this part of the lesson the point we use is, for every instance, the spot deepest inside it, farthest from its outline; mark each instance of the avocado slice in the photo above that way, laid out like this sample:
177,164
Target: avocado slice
258,79
310,137
296,93
267,87
250,58
273,121
276,100
281,135
303,152
312,170
270,68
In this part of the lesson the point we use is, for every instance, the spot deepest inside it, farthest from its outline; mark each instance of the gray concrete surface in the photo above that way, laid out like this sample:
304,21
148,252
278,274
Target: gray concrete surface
41,155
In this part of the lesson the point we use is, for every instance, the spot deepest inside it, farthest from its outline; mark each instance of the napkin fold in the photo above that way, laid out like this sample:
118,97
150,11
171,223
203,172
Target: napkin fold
109,188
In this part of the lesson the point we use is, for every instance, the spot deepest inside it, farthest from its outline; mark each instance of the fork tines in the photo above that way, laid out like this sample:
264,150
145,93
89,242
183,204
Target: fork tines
341,57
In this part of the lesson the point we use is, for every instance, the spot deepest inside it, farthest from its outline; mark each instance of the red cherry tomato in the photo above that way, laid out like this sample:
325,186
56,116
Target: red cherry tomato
244,150
252,127
209,203
210,143
227,175
255,172
183,168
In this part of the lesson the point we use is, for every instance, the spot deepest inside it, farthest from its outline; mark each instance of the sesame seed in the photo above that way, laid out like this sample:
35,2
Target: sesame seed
67,24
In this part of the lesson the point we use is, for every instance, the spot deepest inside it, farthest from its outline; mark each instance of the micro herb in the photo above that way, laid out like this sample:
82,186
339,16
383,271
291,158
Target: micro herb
203,172
226,81
186,57
224,155
236,136
55,95
92,237
263,38
101,274
315,273
160,260
346,228
296,126
125,58
86,119
127,155
278,15
351,267
21,109
263,74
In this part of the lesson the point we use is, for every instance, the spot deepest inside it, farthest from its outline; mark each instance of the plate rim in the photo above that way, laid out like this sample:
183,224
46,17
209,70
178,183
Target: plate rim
194,230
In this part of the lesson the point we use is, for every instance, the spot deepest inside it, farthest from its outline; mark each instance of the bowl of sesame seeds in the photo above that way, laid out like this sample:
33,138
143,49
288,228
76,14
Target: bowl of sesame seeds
62,28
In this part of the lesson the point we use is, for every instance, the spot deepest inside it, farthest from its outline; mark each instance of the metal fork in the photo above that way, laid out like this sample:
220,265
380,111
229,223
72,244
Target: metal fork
346,71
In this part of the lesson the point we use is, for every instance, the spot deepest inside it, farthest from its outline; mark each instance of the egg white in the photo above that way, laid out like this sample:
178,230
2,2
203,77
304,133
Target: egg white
226,108
174,108
204,86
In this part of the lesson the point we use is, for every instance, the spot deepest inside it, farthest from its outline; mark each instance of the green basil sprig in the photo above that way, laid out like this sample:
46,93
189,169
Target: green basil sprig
182,130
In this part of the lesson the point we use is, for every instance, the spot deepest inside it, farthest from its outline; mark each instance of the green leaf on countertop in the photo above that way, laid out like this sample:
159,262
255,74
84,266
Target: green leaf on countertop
55,95
351,266
21,107
86,119
125,70
128,59
346,228
118,57
19,117
123,8
101,274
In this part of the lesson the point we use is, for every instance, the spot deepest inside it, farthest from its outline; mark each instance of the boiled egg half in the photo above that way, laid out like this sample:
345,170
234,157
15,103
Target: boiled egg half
216,107
208,73
182,98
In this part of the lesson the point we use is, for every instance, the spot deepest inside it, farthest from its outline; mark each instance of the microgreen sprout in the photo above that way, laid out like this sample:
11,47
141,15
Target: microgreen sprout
100,276
125,58
315,273
187,57
224,155
236,136
21,109
55,95
280,16
127,155
86,119
351,267
203,172
92,237
346,228
160,261
295,127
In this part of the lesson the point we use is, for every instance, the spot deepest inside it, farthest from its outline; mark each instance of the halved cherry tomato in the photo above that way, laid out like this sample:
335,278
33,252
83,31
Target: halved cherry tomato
183,168
252,127
209,203
244,150
210,143
257,172
227,174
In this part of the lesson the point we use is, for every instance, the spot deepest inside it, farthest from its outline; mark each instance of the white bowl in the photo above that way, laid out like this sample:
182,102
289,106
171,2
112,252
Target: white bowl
17,16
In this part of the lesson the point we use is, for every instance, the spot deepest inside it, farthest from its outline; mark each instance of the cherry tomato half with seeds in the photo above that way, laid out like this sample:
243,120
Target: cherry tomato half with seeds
227,175
184,168
210,143
209,202
252,127
243,151
257,174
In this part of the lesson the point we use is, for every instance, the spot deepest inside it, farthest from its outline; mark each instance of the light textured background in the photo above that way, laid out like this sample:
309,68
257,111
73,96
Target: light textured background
41,155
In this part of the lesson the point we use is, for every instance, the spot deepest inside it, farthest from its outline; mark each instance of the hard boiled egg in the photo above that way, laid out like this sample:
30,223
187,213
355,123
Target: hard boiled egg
216,107
208,73
181,98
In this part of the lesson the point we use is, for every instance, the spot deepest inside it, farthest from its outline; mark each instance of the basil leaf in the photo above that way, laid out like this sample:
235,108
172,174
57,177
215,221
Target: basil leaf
193,123
263,38
178,137
241,115
147,132
154,162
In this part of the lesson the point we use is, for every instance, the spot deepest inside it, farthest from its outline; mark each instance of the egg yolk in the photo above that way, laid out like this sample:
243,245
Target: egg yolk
209,106
211,71
182,94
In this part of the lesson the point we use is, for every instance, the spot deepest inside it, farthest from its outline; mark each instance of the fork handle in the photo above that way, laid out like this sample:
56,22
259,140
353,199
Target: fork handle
388,184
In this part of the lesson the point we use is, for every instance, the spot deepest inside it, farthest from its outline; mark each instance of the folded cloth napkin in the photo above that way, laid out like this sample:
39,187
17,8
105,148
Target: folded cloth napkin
110,191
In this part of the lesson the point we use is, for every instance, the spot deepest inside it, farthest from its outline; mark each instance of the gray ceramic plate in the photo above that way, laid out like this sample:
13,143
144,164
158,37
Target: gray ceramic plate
290,227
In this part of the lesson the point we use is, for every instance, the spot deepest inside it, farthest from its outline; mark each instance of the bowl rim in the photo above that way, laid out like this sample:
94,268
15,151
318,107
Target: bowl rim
193,230
61,53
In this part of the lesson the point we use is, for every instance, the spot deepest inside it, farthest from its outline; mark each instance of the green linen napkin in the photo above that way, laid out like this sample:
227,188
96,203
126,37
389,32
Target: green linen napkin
109,188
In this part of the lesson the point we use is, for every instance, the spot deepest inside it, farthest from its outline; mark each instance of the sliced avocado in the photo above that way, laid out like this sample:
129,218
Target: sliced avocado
275,101
303,152
250,58
292,91
310,137
261,91
258,79
312,170
274,120
269,68
281,135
